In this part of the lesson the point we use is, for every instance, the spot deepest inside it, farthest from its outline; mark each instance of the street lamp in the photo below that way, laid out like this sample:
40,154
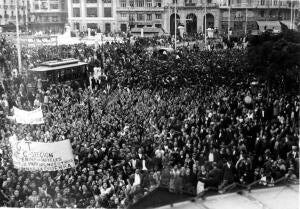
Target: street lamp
228,32
130,19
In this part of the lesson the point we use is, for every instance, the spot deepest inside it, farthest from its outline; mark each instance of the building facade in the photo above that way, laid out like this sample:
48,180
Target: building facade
244,14
191,14
49,15
98,15
139,14
8,11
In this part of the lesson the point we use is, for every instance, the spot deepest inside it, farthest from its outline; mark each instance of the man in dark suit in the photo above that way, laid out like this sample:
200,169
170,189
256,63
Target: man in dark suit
214,177
228,174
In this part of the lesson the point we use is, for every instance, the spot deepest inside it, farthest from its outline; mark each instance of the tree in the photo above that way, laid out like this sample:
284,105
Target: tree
276,58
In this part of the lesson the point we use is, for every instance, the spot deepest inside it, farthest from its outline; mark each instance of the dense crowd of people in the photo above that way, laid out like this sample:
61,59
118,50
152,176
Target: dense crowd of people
189,119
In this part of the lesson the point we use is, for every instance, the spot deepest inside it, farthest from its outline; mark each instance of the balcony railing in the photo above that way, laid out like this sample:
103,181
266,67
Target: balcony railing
139,9
258,6
190,4
249,19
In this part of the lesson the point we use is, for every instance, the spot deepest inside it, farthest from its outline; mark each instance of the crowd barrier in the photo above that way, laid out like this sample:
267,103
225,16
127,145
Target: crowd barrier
184,187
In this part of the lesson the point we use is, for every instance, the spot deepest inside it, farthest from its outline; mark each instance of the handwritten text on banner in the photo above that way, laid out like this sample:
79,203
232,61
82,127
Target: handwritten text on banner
39,156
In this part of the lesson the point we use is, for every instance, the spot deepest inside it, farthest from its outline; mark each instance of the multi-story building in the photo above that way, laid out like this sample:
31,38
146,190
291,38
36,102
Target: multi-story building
8,11
95,14
139,14
243,16
49,15
191,15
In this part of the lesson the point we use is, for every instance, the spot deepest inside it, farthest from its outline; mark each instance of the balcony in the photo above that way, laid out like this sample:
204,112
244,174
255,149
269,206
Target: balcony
190,4
249,19
256,6
140,9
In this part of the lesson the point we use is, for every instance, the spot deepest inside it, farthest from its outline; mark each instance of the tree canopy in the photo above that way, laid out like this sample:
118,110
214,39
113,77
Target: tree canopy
276,58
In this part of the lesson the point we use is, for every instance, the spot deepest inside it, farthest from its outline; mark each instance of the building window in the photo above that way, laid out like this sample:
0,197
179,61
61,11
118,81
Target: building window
75,1
238,25
44,6
123,15
131,17
140,17
92,26
107,12
149,16
140,3
158,25
123,27
149,3
262,2
63,3
76,26
107,28
76,12
158,16
91,1
91,12
190,3
106,1
131,3
262,13
158,3
55,19
36,6
123,3
53,6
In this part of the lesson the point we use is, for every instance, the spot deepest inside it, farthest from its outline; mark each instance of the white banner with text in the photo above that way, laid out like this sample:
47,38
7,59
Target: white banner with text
40,156
28,117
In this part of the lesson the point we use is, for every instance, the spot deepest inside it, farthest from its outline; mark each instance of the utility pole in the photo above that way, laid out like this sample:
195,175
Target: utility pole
169,16
175,45
26,13
18,38
228,20
205,26
246,21
291,23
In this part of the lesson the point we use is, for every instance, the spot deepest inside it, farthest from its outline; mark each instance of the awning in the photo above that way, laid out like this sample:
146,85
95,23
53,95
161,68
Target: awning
269,25
287,23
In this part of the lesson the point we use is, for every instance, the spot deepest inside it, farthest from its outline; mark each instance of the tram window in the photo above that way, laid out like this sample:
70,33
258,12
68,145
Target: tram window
62,74
49,76
67,72
59,76
70,74
76,73
54,76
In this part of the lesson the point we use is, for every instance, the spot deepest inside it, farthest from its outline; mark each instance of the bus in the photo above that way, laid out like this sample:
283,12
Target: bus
60,71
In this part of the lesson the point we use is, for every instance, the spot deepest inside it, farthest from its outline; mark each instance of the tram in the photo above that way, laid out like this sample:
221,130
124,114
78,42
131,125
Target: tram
60,71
